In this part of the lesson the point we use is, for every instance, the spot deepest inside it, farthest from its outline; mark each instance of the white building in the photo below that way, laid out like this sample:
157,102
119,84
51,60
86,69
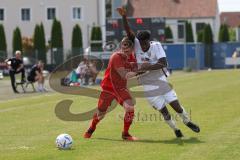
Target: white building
27,13
197,12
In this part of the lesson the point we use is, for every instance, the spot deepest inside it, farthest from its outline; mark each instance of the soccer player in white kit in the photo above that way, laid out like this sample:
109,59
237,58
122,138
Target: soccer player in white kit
152,58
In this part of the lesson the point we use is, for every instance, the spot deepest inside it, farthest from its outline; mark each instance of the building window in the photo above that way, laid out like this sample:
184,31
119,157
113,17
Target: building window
51,13
25,14
1,14
199,27
77,13
181,30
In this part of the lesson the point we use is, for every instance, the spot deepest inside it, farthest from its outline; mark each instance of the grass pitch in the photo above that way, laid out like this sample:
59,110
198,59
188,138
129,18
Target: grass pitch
28,125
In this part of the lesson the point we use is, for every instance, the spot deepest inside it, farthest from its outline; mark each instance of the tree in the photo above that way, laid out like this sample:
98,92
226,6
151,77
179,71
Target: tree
208,35
232,34
208,41
3,44
168,35
76,40
39,43
42,44
57,41
223,35
17,40
36,37
189,32
200,36
96,38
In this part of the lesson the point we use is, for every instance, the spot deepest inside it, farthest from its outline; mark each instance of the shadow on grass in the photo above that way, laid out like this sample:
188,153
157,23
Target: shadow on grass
68,149
179,141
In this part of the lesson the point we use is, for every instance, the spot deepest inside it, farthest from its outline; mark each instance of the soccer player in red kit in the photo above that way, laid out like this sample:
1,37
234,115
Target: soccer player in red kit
114,86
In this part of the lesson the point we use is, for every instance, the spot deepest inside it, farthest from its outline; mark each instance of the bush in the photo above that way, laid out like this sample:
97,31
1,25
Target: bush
200,36
57,41
76,41
168,34
96,35
3,44
223,35
189,32
17,40
208,41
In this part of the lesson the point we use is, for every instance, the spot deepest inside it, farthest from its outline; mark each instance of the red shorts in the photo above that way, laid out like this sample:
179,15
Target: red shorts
106,98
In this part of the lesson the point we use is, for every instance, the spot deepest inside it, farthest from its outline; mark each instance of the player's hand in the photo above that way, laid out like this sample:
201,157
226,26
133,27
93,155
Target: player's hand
145,65
122,11
130,75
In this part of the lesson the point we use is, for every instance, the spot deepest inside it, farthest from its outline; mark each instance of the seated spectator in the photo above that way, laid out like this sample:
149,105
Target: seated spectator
86,72
82,69
93,70
15,65
36,75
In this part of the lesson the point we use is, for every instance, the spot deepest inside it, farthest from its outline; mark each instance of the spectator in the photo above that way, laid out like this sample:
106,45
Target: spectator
93,70
82,69
15,65
36,75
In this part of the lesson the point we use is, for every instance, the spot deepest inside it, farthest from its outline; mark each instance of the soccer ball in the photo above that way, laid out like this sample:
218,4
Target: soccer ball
64,141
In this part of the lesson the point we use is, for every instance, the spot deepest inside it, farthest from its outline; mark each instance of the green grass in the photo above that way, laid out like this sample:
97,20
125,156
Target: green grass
28,126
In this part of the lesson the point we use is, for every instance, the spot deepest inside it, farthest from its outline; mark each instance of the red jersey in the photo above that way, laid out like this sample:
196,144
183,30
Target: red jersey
112,79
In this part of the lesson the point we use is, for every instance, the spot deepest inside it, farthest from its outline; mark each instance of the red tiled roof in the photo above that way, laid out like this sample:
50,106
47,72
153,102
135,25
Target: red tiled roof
230,18
173,8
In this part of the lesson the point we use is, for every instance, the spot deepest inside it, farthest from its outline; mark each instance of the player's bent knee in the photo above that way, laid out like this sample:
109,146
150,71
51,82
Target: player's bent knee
128,106
167,117
101,115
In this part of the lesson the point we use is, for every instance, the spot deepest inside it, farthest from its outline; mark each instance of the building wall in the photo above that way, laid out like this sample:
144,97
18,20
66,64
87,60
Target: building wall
92,13
214,22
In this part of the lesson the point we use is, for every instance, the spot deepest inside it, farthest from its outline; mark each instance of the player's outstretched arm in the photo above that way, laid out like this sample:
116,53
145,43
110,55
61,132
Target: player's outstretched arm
123,13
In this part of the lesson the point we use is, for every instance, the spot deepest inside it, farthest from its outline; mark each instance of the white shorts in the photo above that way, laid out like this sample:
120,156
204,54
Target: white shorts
157,99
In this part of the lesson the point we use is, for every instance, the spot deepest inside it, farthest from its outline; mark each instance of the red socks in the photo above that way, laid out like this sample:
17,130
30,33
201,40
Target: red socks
128,118
95,121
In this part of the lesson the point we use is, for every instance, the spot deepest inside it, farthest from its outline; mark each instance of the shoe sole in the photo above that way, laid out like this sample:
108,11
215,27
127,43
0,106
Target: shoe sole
130,138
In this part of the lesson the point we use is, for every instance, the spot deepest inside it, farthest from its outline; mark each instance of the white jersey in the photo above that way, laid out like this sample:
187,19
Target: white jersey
156,88
154,53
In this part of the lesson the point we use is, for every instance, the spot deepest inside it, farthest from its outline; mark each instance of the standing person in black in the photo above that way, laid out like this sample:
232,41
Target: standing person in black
16,66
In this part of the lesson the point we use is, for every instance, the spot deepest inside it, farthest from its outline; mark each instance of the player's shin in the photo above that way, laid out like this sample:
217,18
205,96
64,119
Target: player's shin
92,127
168,119
94,122
171,123
187,121
128,118
184,115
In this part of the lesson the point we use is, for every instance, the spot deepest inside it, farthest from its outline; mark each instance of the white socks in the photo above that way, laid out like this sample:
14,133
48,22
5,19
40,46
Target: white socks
171,124
40,87
184,116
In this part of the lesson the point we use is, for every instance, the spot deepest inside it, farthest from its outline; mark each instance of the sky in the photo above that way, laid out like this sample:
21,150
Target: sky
229,5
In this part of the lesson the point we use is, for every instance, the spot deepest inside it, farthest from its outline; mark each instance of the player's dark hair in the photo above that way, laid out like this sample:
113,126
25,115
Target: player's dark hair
143,35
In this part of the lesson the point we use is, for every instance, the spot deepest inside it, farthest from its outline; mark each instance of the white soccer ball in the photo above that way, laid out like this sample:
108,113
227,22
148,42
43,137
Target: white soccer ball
64,141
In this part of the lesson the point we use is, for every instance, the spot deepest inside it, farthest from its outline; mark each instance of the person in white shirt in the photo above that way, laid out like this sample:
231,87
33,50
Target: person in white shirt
152,58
